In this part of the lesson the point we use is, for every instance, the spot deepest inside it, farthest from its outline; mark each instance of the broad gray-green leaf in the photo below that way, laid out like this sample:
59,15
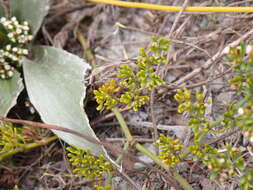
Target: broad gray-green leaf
54,81
33,11
9,91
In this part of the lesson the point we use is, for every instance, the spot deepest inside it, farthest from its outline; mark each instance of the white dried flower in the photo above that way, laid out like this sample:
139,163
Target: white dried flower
8,47
3,19
227,50
15,49
18,31
15,58
13,19
240,111
239,48
249,49
246,134
30,37
10,73
3,76
25,51
5,23
10,27
10,35
7,54
26,28
20,51
7,67
221,161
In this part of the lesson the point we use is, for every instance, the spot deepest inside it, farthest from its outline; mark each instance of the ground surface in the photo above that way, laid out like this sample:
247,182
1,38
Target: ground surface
114,36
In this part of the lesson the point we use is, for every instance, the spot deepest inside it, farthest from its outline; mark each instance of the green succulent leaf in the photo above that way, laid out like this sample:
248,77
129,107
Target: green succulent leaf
32,11
9,92
54,81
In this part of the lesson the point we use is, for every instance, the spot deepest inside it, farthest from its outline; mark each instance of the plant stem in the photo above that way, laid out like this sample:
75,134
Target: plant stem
144,150
126,146
27,147
126,132
109,179
174,8
151,155
122,123
182,181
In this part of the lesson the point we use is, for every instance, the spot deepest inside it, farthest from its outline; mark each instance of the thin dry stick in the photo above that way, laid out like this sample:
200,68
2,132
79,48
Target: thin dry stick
154,120
68,10
55,127
222,137
152,95
177,18
61,37
210,61
123,140
194,45
173,86
172,40
106,117
240,2
163,24
136,186
182,27
114,150
206,81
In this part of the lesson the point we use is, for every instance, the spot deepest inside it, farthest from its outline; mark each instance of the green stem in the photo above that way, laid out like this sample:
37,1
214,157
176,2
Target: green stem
151,155
27,147
122,123
126,146
183,182
109,179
